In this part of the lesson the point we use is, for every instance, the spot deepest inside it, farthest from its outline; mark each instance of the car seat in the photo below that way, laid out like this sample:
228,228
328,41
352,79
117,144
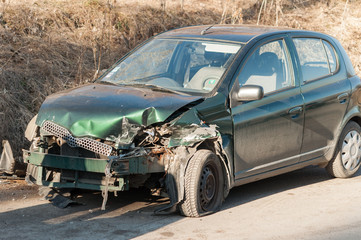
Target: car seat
207,77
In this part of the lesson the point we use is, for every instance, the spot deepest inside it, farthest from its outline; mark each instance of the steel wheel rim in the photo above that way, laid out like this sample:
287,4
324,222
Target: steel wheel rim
208,187
351,150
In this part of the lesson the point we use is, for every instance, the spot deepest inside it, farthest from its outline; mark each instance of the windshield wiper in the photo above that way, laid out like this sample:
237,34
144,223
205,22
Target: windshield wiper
151,86
107,83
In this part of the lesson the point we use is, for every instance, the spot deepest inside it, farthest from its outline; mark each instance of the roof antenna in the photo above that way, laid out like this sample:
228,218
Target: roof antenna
205,30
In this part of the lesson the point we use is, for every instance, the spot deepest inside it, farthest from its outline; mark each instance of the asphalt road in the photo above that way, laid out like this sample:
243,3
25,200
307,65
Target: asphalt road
304,204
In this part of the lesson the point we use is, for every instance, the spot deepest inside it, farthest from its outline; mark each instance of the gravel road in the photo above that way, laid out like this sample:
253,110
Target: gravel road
305,204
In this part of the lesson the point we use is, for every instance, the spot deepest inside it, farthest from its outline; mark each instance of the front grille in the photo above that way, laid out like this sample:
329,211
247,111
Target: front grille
86,143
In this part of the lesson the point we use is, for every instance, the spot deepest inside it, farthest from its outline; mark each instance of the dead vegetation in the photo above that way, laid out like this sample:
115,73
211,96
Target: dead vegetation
47,46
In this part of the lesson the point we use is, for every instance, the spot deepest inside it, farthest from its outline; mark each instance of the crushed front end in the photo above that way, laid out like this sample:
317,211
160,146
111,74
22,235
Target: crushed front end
141,156
61,160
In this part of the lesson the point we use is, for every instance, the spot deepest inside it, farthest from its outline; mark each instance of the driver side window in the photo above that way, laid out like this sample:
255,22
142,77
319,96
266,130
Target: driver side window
268,67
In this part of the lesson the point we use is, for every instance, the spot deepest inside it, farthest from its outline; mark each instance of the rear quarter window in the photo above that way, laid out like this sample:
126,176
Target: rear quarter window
317,58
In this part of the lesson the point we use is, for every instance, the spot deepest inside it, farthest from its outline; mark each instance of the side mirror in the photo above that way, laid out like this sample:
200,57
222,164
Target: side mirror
249,93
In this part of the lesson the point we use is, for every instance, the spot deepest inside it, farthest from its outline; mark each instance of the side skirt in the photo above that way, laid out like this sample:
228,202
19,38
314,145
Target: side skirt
278,171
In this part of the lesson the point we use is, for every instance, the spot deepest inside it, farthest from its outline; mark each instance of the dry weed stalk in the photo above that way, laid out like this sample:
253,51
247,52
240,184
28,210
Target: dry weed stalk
343,20
262,8
269,9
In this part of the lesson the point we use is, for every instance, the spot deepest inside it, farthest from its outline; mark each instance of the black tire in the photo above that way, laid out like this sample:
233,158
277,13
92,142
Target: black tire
347,161
204,185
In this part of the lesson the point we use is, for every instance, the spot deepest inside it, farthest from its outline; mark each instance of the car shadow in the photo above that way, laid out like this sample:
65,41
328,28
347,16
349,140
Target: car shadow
131,213
128,215
284,182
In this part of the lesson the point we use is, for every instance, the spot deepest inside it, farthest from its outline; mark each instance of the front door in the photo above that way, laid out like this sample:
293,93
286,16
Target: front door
268,132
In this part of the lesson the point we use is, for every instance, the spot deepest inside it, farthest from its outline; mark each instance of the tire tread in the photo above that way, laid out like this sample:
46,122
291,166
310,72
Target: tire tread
189,205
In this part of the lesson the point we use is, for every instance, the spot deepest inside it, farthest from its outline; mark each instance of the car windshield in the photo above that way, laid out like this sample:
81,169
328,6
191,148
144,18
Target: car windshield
175,64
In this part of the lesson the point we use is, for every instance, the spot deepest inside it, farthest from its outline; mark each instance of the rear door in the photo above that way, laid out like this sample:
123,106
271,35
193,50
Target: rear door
325,89
268,132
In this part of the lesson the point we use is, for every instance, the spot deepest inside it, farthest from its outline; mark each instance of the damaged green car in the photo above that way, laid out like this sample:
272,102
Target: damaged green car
196,111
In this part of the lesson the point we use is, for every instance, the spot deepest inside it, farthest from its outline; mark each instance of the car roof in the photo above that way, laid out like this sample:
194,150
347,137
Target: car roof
235,33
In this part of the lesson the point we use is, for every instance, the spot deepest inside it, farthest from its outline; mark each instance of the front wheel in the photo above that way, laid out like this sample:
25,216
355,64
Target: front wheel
348,152
204,185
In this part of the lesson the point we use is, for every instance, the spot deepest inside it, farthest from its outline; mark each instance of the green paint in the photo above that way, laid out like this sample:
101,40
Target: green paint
109,112
123,185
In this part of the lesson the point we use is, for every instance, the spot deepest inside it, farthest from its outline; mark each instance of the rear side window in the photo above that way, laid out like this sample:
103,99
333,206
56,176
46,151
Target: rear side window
317,58
331,56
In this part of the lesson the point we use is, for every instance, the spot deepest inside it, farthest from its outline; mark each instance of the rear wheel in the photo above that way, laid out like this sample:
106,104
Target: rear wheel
348,153
204,184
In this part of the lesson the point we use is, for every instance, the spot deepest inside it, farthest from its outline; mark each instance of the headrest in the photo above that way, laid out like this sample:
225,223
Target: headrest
269,62
215,57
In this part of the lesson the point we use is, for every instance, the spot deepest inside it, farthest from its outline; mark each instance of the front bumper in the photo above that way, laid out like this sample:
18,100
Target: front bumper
121,168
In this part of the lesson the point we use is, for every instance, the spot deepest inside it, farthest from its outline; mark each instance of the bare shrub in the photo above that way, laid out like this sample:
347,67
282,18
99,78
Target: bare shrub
45,48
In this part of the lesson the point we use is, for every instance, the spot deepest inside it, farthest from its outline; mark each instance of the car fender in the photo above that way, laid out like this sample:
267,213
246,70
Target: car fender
353,114
175,177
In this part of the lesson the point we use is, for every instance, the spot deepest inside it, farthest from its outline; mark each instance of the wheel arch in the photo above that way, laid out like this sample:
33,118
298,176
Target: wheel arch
175,176
354,115
336,167
356,119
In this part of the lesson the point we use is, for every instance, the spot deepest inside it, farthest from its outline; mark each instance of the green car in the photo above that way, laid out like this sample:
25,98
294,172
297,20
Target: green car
195,111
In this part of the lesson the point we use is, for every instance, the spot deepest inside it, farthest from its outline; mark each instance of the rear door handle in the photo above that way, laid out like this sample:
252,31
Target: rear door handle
295,112
342,98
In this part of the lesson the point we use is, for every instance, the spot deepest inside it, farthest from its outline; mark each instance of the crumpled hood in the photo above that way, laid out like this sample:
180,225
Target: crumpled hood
108,111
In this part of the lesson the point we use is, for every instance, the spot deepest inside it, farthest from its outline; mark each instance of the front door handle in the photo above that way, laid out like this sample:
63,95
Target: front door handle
295,112
342,98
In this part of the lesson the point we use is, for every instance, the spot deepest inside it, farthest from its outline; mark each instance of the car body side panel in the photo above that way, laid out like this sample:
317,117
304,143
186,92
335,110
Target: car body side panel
353,111
323,114
266,135
215,111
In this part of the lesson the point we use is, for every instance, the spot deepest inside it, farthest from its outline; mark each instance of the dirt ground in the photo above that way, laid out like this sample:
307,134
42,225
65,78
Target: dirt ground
305,204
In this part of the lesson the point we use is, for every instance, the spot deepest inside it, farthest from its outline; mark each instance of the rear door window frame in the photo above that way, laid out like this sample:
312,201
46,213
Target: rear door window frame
299,68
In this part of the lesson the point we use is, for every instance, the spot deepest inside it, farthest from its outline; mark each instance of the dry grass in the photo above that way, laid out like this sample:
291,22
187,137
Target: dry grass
46,46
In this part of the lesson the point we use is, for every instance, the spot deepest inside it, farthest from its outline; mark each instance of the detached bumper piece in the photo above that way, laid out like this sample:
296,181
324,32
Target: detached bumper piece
89,173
